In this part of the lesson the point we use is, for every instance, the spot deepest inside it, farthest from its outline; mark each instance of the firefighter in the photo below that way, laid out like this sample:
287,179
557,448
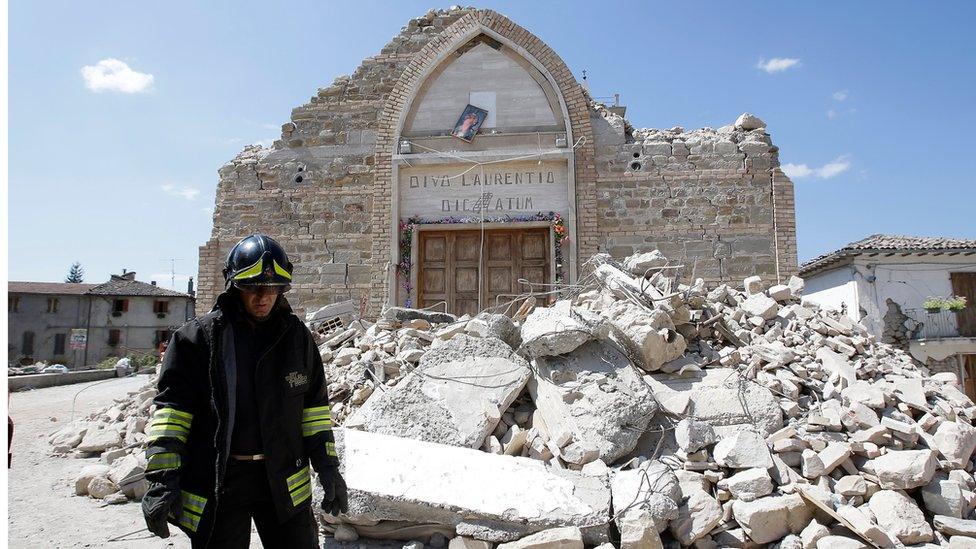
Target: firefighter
242,412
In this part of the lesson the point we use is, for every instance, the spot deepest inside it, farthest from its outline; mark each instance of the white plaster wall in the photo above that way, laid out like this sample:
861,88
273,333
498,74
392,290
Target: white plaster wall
908,281
835,290
519,99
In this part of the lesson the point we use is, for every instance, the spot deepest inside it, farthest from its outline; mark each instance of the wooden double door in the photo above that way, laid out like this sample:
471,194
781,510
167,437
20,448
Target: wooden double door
456,268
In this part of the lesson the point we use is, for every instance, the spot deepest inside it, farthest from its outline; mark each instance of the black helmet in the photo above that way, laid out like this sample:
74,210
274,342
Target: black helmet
258,260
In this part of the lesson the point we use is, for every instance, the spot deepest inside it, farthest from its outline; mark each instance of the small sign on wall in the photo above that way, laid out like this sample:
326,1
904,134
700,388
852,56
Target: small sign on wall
78,339
469,123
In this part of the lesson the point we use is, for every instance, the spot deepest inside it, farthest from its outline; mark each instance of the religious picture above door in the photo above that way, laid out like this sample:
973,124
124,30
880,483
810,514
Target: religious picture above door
469,122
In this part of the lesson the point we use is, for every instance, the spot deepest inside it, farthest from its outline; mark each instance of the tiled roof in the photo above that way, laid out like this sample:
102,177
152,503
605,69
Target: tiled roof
53,288
123,287
888,243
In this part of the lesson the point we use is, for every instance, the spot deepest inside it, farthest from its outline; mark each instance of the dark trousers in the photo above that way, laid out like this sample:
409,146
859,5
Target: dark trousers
247,496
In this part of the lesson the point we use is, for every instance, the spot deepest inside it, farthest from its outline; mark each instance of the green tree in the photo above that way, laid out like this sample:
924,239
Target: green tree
76,274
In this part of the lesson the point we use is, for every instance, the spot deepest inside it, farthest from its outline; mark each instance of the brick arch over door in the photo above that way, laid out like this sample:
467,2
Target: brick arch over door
404,92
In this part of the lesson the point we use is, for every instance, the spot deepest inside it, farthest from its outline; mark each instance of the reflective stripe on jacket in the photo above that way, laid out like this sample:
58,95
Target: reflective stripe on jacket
189,433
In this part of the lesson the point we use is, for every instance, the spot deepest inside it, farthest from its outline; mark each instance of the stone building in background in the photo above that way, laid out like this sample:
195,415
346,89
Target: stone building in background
378,202
120,317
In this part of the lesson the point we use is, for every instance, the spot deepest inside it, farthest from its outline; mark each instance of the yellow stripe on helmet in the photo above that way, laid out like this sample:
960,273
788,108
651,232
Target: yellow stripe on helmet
252,271
280,270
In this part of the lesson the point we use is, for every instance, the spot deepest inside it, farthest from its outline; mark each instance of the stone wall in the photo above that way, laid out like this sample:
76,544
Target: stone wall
712,199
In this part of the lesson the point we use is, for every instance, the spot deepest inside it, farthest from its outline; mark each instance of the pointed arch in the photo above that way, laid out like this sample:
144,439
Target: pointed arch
573,104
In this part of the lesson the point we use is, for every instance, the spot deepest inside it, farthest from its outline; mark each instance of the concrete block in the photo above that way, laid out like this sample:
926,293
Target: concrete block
595,394
485,496
455,396
718,397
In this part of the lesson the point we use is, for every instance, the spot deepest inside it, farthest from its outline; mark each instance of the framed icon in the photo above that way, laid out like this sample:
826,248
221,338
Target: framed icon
469,123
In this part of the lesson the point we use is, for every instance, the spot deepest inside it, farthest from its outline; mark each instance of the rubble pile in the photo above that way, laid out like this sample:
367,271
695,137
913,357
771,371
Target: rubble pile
635,411
658,413
116,436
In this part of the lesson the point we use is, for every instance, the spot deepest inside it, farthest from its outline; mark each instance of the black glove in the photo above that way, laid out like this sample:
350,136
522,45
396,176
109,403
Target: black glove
336,500
162,501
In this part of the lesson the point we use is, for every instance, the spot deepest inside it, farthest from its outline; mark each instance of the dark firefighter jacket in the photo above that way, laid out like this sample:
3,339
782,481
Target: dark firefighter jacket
190,431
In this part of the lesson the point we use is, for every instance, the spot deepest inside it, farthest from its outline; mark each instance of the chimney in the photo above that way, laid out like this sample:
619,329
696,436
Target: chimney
189,286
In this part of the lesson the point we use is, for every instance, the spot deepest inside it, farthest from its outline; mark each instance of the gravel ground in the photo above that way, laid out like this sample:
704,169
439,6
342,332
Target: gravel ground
43,510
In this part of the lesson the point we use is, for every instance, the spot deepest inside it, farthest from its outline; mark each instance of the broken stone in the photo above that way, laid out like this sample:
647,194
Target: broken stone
796,285
860,520
494,494
760,305
455,396
115,499
905,469
551,332
596,394
639,264
555,538
652,487
462,542
962,542
649,335
580,453
780,292
502,327
345,532
864,393
833,455
743,450
693,435
411,355
86,475
720,398
514,440
99,440
840,542
898,514
956,441
945,497
851,485
835,363
748,122
952,526
768,519
697,515
752,285
69,436
812,465
749,484
404,314
812,533
99,487
638,531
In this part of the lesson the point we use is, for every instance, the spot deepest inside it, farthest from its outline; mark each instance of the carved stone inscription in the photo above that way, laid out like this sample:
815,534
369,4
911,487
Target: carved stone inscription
494,190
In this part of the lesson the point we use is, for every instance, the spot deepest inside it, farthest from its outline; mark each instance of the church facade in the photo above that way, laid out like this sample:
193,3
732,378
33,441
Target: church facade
465,164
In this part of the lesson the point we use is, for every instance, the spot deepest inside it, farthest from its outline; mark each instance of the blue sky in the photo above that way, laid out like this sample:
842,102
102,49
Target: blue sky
871,104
